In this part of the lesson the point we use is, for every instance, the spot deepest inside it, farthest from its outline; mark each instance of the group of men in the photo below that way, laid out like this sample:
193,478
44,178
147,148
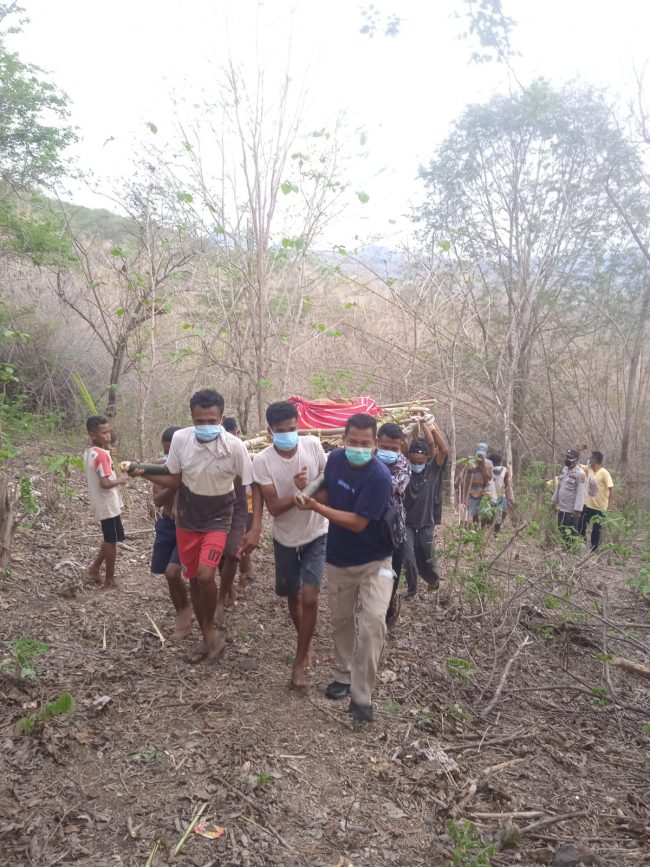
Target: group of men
371,513
483,485
583,493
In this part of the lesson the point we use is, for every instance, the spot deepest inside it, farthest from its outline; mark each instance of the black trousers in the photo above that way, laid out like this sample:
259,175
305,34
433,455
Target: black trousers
585,519
398,560
568,524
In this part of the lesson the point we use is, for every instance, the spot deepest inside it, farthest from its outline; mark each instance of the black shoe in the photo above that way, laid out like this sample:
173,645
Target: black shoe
410,596
393,612
361,712
336,690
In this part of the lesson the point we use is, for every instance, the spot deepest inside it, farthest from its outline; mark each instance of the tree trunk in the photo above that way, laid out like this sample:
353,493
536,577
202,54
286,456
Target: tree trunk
9,518
630,396
519,397
116,374
111,400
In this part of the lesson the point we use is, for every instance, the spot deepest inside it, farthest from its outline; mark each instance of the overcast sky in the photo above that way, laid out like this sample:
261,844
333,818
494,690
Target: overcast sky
120,61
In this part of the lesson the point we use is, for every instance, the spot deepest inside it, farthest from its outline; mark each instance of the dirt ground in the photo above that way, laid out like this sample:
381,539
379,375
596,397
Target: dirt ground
460,732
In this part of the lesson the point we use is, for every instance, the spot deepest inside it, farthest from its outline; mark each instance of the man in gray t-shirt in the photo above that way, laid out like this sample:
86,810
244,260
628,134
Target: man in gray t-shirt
569,496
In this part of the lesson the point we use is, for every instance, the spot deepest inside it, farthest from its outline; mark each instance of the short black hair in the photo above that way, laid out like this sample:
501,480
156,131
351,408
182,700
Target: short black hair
95,421
418,447
206,397
230,424
496,458
391,430
600,457
280,411
362,421
168,433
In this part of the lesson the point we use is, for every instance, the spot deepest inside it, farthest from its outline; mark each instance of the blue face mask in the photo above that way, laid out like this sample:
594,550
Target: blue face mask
207,433
418,468
358,456
165,458
286,441
387,457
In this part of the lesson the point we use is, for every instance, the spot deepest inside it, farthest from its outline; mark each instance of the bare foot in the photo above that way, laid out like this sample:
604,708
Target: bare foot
111,585
216,647
298,677
93,576
183,627
220,613
198,654
311,657
231,598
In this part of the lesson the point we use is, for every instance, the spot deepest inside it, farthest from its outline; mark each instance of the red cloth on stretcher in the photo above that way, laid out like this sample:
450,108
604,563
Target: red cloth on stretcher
326,414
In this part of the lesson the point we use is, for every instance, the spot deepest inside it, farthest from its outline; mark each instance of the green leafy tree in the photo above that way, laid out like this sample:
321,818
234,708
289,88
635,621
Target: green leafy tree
34,135
34,128
516,206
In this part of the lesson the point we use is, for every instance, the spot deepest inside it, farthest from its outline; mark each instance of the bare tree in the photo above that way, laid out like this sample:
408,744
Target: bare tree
119,289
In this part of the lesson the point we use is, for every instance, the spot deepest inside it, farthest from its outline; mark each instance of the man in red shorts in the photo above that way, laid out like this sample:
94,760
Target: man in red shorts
207,467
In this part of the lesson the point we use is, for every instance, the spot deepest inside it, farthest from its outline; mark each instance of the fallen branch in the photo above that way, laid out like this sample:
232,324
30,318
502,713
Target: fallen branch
158,632
527,640
553,820
195,818
519,734
526,814
474,784
267,826
630,666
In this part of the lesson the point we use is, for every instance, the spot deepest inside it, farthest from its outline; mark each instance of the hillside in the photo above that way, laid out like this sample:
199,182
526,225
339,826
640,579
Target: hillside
494,706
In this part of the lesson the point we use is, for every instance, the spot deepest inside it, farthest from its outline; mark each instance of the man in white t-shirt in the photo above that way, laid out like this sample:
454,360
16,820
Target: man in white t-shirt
206,466
299,538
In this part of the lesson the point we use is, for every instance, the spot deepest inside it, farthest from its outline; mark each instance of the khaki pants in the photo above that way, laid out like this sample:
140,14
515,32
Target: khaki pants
358,644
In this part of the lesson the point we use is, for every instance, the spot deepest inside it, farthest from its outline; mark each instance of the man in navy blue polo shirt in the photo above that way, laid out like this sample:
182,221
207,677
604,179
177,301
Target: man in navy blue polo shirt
355,495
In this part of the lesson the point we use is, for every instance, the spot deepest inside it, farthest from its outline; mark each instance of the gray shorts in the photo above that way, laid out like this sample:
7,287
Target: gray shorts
473,504
297,566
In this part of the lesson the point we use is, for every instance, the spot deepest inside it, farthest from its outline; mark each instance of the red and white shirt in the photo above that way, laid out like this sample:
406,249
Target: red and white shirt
105,502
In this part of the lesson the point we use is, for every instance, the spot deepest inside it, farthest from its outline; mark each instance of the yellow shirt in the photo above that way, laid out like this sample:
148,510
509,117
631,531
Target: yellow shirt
605,484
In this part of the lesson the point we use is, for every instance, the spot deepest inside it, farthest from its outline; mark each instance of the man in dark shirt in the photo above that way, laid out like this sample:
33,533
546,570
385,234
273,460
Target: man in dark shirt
390,439
427,456
355,495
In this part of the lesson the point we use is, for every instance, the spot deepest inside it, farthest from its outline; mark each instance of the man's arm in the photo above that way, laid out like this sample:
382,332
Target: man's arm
442,446
251,539
348,520
276,505
162,496
171,482
425,430
486,469
610,492
112,483
581,491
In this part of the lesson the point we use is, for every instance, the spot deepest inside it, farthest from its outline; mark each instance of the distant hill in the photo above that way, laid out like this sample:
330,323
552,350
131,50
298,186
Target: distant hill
97,221
35,206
